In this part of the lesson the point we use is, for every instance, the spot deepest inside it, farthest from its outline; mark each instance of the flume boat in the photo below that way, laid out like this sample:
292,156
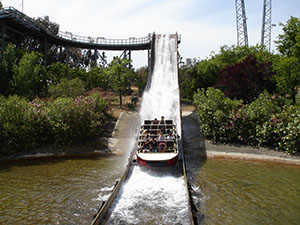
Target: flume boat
157,144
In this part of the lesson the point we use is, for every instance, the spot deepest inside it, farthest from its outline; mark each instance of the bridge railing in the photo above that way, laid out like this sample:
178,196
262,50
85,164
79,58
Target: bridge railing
14,13
103,41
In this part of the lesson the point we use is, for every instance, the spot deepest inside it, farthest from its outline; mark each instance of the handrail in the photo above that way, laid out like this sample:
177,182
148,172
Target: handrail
12,12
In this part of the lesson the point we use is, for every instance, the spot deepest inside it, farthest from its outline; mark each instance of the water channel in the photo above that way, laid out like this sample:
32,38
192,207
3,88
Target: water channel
70,190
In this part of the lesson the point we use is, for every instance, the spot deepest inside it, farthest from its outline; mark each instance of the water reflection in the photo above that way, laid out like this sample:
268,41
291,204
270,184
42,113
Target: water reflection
243,192
56,191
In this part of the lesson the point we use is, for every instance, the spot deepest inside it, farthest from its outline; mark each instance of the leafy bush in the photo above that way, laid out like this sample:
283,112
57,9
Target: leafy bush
75,120
282,130
22,125
67,88
213,110
241,127
263,122
64,121
132,104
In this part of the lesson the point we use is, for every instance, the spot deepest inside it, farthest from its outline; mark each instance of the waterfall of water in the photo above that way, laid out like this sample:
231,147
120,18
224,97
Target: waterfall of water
162,96
153,197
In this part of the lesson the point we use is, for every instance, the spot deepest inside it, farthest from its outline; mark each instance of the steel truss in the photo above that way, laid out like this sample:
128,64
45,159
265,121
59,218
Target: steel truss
266,25
241,23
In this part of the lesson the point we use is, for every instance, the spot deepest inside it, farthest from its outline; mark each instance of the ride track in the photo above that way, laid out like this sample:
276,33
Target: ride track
103,214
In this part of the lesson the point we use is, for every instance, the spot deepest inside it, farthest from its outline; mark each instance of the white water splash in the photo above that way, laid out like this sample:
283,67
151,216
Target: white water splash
153,197
162,96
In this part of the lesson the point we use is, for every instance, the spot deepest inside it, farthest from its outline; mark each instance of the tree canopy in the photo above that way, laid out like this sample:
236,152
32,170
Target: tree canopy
287,67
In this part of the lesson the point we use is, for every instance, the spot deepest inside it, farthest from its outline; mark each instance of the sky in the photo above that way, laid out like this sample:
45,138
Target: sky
204,25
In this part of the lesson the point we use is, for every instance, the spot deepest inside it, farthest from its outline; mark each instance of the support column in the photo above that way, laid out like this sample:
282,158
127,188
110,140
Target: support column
95,57
46,51
148,58
60,54
129,56
3,39
67,56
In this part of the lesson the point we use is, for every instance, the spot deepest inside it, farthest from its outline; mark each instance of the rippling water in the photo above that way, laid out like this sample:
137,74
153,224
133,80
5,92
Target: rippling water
243,192
70,191
56,191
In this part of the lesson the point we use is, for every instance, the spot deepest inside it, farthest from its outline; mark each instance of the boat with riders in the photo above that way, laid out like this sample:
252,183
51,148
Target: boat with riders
157,144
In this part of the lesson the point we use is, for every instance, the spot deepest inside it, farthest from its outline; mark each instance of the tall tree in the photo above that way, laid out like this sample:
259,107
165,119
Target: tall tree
29,76
120,76
245,80
288,66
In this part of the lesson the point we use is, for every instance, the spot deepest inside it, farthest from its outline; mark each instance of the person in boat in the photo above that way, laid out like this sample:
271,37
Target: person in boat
146,132
155,121
153,144
161,137
146,146
170,136
162,147
146,137
162,120
162,130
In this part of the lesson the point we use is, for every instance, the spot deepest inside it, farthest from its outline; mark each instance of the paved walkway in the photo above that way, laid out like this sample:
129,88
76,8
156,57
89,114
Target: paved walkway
124,133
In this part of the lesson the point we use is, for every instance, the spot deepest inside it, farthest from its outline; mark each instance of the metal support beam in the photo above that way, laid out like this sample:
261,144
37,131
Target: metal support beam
148,58
46,53
60,54
266,25
103,59
3,39
95,56
67,56
241,23
129,56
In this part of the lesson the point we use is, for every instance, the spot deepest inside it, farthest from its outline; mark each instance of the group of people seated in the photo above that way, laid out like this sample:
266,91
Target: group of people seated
162,121
157,142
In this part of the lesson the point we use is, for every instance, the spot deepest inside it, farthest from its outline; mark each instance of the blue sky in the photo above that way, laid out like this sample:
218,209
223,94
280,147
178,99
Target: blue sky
204,25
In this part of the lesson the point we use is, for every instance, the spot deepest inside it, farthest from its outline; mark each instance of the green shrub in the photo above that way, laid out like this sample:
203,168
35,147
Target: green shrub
21,124
67,88
213,110
64,121
75,120
282,130
263,122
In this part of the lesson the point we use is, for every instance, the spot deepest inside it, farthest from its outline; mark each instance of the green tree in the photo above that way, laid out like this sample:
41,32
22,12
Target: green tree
142,78
246,80
67,88
120,76
288,67
97,77
29,76
288,40
10,58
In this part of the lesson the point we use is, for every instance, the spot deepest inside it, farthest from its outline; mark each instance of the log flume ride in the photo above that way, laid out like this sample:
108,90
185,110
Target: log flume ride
159,194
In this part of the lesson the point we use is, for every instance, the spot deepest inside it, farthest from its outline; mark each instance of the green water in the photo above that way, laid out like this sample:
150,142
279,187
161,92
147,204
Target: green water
55,191
245,192
70,190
